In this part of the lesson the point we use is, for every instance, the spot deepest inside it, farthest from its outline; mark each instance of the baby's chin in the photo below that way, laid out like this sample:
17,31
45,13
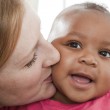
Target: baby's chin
81,100
75,100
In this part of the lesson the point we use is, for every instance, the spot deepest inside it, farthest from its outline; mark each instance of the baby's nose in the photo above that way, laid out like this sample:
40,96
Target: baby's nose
88,59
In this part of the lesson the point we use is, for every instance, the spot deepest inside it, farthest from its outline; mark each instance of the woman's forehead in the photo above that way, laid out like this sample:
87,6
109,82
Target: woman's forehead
29,11
29,36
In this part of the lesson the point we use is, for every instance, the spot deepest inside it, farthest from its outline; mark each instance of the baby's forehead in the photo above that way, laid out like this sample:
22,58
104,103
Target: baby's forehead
77,15
79,18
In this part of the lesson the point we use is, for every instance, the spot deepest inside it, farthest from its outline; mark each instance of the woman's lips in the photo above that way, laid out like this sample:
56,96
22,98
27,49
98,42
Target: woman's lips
48,79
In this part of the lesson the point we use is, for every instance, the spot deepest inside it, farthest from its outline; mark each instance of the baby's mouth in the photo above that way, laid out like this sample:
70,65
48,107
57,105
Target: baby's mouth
81,78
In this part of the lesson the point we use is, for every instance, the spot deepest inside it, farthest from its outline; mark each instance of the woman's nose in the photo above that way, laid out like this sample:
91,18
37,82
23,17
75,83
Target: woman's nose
52,55
88,59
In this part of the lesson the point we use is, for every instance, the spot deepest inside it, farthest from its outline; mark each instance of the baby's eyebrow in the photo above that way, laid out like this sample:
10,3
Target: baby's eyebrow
78,34
106,43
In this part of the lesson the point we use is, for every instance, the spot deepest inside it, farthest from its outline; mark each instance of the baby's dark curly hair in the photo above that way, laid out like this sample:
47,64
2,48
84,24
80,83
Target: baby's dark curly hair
94,6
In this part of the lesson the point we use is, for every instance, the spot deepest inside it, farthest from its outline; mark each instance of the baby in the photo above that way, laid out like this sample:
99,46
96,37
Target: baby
81,33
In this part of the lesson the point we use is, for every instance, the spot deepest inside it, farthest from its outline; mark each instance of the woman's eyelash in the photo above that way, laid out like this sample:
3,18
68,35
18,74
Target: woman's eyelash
32,61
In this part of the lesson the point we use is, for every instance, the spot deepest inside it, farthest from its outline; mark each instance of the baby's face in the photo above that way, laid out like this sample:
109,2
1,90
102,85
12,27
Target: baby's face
83,72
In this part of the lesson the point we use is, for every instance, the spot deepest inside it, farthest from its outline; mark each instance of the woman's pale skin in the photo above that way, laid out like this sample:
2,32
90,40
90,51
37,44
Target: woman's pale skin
26,76
83,72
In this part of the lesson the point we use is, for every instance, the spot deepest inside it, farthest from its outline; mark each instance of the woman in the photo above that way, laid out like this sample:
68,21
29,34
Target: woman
25,57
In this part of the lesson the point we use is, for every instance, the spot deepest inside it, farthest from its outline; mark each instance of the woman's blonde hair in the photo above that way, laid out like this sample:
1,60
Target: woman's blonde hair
11,15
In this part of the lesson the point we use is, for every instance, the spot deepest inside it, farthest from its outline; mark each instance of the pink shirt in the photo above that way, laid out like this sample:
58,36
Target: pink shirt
102,103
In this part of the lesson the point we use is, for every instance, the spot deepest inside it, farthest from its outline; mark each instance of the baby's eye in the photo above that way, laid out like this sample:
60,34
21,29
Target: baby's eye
105,53
74,44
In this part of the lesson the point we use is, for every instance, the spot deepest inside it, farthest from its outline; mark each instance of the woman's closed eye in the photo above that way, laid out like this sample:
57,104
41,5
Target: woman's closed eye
74,44
105,53
29,64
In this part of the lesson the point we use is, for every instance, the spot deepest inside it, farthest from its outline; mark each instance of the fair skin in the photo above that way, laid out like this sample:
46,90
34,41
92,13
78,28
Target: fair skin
26,76
83,72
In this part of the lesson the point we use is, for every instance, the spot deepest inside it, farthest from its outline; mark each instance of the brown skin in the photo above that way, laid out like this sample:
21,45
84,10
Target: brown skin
83,72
